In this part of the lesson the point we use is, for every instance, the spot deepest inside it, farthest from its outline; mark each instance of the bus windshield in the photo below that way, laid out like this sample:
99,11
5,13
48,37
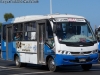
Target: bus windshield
74,32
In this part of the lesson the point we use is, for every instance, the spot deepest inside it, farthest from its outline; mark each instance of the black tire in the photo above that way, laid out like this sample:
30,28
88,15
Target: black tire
17,61
0,54
99,58
86,67
51,65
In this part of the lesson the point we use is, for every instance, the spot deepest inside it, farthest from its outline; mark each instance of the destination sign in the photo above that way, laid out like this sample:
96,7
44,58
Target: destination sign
69,20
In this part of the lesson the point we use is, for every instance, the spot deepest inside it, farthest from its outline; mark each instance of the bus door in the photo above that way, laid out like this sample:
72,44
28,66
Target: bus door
9,43
40,41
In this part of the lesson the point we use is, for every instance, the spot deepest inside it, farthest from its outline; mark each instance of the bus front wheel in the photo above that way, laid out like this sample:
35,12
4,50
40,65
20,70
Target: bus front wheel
86,67
99,58
51,65
0,54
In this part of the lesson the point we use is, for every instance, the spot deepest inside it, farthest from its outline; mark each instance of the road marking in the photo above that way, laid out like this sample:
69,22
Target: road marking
95,69
2,67
5,59
32,73
96,64
8,68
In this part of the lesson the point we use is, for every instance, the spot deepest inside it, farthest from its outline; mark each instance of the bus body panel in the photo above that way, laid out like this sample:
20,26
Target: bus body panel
74,60
27,51
10,50
3,49
85,50
74,54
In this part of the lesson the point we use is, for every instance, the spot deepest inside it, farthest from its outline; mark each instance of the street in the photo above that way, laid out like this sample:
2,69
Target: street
9,68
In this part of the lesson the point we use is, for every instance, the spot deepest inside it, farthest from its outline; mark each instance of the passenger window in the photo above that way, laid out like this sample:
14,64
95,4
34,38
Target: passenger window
18,27
18,36
28,36
30,31
31,26
4,32
18,32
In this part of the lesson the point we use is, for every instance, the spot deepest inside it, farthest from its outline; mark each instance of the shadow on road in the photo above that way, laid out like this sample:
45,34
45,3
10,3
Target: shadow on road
61,69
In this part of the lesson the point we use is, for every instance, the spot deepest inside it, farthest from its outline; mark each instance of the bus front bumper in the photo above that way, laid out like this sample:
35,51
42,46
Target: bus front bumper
61,59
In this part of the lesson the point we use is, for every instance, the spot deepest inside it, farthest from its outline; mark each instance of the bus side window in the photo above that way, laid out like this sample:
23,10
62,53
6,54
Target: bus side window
18,36
30,31
18,32
4,32
18,27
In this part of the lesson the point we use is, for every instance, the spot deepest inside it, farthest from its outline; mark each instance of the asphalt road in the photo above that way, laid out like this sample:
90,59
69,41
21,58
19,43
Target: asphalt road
9,68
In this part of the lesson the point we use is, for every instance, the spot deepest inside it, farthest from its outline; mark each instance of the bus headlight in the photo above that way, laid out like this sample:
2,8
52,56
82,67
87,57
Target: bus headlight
63,51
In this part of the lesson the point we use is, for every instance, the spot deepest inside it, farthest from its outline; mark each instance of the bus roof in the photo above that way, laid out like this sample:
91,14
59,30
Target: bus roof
39,17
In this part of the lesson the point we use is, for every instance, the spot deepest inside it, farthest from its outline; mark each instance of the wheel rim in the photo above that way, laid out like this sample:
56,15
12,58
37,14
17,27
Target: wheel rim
52,65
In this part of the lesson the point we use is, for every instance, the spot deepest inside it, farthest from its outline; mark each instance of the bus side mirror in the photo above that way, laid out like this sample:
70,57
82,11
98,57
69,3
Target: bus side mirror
95,32
54,28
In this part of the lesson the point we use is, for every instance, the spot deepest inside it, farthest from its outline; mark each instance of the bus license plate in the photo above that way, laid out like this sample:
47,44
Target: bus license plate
82,60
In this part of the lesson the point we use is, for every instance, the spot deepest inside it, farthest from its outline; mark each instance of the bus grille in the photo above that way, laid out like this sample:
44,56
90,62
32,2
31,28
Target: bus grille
77,53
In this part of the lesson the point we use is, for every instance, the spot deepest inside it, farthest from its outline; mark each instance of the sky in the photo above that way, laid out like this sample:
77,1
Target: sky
90,9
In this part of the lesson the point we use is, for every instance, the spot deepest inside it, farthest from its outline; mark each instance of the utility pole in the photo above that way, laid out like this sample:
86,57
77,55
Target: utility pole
50,6
95,27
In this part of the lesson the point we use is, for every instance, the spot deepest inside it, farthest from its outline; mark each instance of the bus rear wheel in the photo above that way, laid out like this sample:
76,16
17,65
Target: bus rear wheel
86,67
17,61
51,65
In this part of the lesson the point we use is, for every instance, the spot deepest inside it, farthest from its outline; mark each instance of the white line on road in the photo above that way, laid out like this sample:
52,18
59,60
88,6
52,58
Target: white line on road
32,73
9,68
95,69
96,64
6,69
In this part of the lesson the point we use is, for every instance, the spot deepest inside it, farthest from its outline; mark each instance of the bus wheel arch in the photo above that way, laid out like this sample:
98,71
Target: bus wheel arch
17,61
47,58
15,56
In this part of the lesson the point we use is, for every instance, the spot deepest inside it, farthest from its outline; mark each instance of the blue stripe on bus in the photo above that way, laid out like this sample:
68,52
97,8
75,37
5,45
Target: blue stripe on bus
9,21
11,50
48,51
